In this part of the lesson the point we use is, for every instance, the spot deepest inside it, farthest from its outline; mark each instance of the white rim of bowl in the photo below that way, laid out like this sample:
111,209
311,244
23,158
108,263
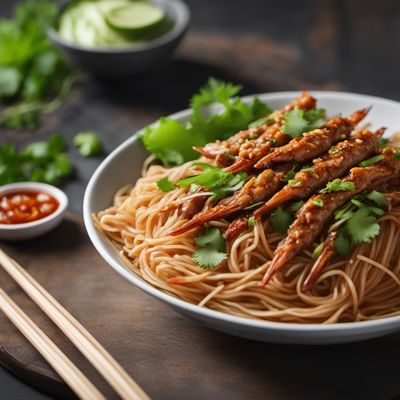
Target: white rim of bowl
118,266
55,192
180,25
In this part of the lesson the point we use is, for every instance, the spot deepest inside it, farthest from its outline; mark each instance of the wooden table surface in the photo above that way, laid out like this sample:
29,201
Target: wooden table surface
266,46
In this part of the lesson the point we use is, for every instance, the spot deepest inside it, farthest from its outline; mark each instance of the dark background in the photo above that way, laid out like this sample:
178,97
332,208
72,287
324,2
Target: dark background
266,46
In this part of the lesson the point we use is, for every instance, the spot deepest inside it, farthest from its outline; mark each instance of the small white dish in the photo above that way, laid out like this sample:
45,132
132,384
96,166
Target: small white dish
29,230
123,166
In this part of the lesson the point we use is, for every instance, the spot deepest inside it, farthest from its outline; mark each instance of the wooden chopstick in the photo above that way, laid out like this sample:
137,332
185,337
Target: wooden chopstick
74,378
105,364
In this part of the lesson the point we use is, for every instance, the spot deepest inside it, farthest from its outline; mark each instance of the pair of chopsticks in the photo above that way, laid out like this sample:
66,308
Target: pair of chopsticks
105,364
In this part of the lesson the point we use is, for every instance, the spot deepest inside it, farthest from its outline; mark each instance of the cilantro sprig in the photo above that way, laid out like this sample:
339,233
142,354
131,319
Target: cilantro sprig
165,185
215,180
43,161
210,249
172,141
338,185
32,71
358,220
88,143
298,121
281,220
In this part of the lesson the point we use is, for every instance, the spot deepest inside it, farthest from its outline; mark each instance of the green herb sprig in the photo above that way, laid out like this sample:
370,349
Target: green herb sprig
298,121
34,77
210,249
172,141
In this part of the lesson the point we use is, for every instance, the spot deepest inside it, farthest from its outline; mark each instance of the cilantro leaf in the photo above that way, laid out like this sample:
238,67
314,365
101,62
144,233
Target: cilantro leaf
208,257
88,143
171,142
165,185
378,198
362,226
295,206
210,236
281,220
338,185
298,121
10,81
295,123
210,249
261,121
343,244
214,91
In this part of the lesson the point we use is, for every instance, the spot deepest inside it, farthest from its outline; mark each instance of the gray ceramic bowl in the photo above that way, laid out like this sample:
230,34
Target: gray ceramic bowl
115,62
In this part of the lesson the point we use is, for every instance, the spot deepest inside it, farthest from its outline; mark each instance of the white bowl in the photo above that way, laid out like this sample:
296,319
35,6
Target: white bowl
36,228
123,166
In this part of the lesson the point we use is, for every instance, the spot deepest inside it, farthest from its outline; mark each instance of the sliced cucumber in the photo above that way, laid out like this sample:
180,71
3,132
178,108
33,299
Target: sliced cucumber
139,20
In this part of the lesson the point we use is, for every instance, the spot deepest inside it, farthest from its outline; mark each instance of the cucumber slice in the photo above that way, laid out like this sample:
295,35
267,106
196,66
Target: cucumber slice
140,20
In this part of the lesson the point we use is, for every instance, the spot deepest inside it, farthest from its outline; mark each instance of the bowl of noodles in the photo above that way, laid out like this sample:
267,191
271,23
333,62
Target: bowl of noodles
288,235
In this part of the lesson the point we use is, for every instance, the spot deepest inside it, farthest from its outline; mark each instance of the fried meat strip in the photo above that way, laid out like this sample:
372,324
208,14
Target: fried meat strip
256,189
232,146
329,249
311,218
332,165
313,143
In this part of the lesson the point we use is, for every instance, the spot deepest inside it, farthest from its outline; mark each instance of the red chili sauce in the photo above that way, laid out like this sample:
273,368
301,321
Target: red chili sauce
24,206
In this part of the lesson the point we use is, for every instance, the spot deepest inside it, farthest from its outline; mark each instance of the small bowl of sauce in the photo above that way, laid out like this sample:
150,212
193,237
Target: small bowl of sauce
30,209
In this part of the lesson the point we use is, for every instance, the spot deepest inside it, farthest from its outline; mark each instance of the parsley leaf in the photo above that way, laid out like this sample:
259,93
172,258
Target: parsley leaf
165,185
362,226
338,185
298,121
88,143
371,161
210,249
281,220
172,142
216,180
